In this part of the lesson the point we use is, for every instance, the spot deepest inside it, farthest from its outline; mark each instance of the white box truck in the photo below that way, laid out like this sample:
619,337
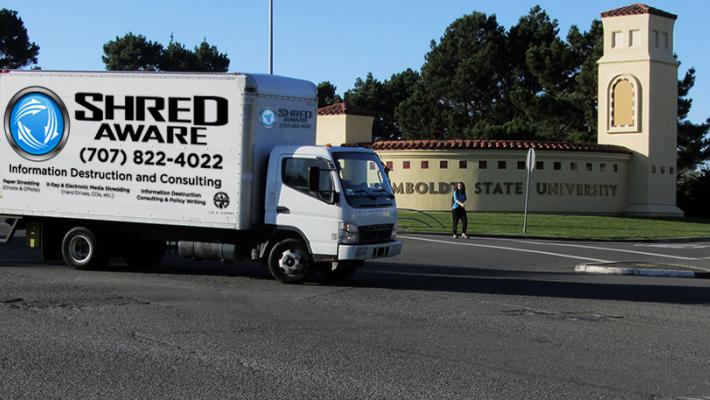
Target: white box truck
98,165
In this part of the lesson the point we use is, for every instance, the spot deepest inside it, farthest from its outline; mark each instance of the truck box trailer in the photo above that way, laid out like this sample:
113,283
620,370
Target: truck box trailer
105,164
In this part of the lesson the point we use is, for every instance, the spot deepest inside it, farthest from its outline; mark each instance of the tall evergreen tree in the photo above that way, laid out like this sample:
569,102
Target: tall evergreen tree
534,29
132,53
383,98
209,59
543,69
16,50
462,91
327,95
693,141
176,57
368,93
587,48
556,99
136,53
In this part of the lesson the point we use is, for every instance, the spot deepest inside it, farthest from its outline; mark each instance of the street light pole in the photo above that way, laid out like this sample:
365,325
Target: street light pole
271,37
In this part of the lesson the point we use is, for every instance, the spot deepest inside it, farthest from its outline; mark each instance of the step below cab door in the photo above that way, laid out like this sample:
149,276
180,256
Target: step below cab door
313,211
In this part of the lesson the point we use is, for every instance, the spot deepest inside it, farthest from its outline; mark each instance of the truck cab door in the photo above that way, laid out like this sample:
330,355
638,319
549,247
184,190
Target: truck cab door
314,212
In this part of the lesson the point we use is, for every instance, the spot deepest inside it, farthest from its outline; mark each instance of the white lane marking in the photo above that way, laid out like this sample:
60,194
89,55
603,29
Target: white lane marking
595,248
505,248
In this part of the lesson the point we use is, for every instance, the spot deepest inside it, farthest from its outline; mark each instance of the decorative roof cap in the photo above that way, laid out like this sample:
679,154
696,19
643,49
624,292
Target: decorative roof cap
483,144
637,9
344,108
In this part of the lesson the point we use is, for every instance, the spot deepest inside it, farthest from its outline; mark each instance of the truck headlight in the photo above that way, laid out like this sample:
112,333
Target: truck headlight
349,233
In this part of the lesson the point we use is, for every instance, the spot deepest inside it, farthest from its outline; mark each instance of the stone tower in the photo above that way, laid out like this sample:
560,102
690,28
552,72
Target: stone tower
638,95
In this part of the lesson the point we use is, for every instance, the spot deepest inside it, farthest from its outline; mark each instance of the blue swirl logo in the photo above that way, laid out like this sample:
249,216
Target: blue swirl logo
36,124
268,117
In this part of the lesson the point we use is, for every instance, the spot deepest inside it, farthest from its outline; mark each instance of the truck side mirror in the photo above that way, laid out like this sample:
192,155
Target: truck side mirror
313,179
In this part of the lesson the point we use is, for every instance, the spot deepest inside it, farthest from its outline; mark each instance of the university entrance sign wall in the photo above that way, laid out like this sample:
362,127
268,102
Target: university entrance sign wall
574,178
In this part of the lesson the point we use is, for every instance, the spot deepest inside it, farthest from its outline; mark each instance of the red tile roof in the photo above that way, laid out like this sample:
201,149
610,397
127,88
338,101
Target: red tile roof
481,144
637,9
344,108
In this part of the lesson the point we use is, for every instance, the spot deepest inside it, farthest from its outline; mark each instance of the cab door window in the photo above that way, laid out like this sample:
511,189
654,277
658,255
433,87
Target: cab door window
294,173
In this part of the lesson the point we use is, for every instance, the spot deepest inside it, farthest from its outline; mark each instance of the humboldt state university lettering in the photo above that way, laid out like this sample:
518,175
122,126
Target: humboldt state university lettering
422,187
576,189
510,188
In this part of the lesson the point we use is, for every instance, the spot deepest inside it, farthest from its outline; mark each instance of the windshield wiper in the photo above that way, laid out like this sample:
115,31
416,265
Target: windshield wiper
365,192
388,194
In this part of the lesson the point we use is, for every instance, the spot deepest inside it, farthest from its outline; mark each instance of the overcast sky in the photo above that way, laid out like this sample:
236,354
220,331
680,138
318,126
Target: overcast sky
320,39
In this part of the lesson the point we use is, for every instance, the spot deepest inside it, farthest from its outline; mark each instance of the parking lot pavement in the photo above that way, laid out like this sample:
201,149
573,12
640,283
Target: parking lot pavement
562,254
448,319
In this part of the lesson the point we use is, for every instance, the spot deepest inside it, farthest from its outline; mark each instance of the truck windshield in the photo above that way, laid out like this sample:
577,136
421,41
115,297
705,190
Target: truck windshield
364,180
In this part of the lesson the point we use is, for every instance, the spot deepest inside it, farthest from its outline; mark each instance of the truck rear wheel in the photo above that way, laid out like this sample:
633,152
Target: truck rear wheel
289,261
144,254
343,271
82,250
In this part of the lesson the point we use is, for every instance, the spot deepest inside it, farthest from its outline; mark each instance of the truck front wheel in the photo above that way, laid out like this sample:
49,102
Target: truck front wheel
82,250
289,261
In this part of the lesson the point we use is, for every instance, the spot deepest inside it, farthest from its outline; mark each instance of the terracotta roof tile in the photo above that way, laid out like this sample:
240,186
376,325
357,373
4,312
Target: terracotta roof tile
344,108
637,9
483,144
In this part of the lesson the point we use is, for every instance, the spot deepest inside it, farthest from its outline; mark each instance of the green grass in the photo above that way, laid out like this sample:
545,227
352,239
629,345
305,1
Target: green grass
556,226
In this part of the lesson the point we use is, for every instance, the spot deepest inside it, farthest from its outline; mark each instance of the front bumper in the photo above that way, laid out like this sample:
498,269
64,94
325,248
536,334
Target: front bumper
369,251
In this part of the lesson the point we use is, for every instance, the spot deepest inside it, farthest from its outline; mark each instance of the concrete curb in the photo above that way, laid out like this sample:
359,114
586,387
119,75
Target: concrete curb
603,269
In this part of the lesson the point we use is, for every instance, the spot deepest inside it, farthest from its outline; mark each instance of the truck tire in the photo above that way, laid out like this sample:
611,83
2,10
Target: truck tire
345,269
144,254
82,250
289,261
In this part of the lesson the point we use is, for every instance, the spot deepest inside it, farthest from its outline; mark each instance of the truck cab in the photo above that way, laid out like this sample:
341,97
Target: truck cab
335,206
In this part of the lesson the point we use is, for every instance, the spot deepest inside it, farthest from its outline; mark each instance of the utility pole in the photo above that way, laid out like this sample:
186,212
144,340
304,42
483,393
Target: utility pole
271,37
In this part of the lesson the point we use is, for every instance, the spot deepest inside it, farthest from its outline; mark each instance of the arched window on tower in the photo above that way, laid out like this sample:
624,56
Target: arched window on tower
624,104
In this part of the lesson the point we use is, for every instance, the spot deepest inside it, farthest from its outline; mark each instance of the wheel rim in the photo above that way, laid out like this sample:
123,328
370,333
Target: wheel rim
80,249
292,262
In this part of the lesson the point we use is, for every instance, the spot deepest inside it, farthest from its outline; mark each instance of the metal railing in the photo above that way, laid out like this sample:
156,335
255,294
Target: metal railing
424,216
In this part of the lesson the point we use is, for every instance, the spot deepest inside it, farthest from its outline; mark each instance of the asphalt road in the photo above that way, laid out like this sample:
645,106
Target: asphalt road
475,319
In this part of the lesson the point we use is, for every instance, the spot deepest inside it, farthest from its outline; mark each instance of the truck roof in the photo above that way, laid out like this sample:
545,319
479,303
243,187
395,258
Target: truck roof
263,84
274,85
319,149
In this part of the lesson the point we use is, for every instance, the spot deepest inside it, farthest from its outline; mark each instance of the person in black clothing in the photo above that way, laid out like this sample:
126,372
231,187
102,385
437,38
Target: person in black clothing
458,210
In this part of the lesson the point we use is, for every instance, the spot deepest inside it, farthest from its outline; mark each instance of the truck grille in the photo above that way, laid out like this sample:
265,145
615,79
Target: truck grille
376,233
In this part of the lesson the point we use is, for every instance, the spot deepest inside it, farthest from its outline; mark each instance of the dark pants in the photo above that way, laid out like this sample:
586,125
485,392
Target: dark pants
459,213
